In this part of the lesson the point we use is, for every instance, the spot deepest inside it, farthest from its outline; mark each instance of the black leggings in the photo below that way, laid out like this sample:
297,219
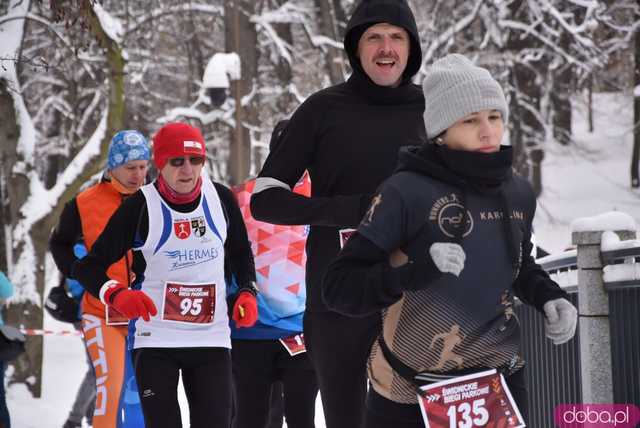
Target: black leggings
206,376
384,413
339,347
257,365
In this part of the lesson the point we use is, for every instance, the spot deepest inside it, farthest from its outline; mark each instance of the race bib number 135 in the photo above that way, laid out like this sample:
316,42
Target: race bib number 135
476,400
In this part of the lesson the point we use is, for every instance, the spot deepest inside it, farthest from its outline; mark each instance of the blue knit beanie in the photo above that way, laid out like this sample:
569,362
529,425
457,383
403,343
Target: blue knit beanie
126,146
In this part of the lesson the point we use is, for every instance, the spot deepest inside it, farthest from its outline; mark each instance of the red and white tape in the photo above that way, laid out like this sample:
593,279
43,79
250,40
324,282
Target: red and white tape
40,332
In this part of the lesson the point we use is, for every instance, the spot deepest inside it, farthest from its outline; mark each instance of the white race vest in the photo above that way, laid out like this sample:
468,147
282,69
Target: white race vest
185,274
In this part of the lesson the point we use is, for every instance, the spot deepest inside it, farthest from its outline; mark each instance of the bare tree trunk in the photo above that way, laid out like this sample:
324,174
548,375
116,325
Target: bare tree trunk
241,38
195,55
527,131
340,17
16,191
283,70
27,313
635,156
287,101
590,102
9,133
561,99
328,28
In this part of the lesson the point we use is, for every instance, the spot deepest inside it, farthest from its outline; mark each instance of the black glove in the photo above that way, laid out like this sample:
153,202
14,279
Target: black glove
414,257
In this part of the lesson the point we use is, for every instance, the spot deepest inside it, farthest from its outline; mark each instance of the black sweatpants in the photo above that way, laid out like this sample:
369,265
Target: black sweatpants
206,376
384,413
276,406
257,365
339,347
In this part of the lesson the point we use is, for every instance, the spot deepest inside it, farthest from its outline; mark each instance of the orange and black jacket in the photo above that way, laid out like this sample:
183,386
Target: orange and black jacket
85,217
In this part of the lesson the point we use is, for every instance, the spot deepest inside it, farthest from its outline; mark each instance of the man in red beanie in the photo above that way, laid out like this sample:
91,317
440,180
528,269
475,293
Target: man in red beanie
188,237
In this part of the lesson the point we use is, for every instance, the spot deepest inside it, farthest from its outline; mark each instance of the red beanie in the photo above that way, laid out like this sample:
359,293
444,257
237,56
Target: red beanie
175,140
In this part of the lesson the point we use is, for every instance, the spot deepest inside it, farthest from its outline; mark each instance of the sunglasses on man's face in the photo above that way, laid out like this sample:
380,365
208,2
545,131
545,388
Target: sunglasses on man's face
193,160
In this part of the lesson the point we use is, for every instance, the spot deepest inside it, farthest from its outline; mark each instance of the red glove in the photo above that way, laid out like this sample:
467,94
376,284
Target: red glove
245,309
130,303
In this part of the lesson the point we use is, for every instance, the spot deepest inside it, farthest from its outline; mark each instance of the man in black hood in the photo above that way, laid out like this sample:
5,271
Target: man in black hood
347,136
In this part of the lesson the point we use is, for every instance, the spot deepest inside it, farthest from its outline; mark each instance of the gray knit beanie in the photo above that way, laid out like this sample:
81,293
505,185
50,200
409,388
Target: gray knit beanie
453,88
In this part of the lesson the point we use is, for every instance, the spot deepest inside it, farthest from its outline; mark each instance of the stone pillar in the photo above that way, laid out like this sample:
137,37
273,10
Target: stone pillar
593,310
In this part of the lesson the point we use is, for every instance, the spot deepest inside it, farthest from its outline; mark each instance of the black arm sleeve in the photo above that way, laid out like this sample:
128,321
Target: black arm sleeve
291,156
281,206
66,234
361,281
237,248
533,284
115,240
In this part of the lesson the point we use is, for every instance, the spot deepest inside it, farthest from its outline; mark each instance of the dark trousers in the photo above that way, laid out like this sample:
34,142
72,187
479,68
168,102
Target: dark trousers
384,413
276,406
339,347
206,376
258,365
5,421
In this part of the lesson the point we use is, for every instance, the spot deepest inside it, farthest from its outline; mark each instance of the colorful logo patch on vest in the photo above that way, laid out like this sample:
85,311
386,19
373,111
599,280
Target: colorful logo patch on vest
182,228
198,226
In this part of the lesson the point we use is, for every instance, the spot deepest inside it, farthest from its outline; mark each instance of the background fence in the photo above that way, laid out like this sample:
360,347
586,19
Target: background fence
554,373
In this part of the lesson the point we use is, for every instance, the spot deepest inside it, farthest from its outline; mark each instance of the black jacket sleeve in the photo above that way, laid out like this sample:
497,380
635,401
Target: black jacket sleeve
291,156
533,284
115,240
282,206
361,280
67,233
237,248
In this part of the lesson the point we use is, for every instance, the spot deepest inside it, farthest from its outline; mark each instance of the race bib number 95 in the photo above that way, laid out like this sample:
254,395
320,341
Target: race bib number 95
476,400
114,317
344,235
189,303
294,344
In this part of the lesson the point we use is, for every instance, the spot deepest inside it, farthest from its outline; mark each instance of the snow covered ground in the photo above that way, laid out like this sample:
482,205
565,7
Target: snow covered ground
63,369
590,177
585,180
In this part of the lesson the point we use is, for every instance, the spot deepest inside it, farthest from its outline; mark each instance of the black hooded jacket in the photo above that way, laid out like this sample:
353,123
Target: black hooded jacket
443,195
347,136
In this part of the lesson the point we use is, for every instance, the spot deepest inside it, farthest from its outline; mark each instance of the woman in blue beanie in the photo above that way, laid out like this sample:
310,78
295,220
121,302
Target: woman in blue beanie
105,331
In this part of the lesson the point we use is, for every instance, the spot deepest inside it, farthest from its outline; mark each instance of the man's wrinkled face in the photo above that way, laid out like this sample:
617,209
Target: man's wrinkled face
181,173
384,51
